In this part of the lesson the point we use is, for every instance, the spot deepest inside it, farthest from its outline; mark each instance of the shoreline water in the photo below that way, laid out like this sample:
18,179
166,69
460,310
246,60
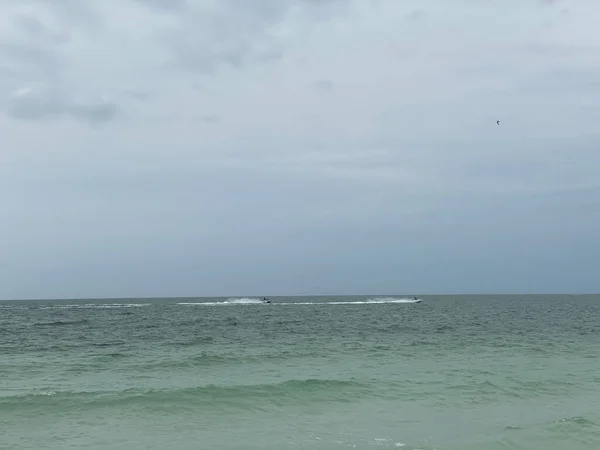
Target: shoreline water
449,373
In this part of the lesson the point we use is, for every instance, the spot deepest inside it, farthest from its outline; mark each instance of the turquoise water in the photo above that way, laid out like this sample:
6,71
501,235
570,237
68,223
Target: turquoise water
451,372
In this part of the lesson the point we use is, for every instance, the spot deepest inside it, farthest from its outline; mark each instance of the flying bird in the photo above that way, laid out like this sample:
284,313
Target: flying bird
498,122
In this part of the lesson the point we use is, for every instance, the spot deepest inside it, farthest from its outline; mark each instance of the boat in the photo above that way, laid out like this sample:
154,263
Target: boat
266,300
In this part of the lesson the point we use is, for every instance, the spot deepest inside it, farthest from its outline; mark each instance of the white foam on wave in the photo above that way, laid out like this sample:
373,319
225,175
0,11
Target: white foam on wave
97,306
46,393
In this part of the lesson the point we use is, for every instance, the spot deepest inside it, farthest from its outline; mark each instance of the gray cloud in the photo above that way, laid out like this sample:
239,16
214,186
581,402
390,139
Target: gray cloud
233,33
223,169
141,96
32,49
417,14
36,30
165,5
39,103
94,113
33,62
206,40
34,54
211,119
203,38
71,14
325,86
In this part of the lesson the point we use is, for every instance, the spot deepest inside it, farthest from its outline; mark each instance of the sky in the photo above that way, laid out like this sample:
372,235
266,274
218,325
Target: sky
157,148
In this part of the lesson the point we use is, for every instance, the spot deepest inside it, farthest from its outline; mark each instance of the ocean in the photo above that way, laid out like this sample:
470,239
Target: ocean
371,372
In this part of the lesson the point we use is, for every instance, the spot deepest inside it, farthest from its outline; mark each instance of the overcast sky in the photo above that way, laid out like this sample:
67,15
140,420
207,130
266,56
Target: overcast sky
265,147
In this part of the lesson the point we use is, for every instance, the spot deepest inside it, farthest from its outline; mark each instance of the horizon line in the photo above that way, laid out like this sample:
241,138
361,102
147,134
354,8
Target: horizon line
300,295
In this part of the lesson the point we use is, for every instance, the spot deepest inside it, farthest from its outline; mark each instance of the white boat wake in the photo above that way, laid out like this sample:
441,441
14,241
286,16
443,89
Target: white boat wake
253,301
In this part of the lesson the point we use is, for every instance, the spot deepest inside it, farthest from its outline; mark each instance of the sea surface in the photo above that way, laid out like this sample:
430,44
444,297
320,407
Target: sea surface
449,373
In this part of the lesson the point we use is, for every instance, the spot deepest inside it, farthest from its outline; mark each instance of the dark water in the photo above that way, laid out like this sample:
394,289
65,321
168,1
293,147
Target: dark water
506,372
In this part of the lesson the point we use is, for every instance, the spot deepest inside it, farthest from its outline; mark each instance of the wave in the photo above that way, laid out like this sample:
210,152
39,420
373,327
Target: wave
211,359
97,306
212,398
61,323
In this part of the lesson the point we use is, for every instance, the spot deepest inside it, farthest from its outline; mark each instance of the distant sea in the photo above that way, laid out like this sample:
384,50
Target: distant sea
449,373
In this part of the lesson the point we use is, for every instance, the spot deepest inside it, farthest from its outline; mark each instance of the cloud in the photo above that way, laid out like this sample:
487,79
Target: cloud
324,86
36,80
165,5
49,43
141,96
270,143
95,113
417,14
211,119
229,33
47,103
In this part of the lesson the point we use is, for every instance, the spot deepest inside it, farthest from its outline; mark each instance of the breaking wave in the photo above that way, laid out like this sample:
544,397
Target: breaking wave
216,398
